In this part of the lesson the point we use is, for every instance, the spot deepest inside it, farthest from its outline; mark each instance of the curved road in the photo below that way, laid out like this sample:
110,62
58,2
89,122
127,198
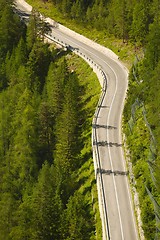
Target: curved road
117,196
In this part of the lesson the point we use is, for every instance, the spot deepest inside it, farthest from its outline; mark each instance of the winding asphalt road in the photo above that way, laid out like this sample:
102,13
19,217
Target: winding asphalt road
117,196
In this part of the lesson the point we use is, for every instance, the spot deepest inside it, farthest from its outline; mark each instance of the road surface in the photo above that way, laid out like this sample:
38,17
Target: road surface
120,224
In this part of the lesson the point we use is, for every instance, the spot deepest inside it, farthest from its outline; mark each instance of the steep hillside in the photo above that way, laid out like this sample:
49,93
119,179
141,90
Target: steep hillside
47,101
135,26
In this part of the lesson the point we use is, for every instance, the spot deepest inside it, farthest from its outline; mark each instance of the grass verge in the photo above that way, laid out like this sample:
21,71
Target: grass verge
89,97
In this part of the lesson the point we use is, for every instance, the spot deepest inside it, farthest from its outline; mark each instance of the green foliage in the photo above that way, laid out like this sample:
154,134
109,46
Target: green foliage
37,28
78,224
42,145
46,133
137,22
141,21
128,20
54,86
46,114
153,49
10,29
66,139
143,139
37,66
46,206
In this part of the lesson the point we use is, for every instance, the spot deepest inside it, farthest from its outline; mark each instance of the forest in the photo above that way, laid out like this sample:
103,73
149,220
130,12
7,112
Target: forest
137,24
126,19
47,183
42,169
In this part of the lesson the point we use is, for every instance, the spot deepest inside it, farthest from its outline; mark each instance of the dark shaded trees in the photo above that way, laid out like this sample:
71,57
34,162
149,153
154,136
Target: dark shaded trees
141,20
77,225
36,29
46,206
39,136
66,152
144,94
10,29
37,66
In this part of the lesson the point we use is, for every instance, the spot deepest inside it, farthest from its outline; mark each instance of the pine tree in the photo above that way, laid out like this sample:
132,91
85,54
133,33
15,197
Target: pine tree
37,66
54,87
46,205
78,223
66,153
141,21
10,30
36,29
46,140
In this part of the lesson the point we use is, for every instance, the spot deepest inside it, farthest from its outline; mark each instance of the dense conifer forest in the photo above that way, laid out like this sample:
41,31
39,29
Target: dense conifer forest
41,166
47,186
136,23
126,19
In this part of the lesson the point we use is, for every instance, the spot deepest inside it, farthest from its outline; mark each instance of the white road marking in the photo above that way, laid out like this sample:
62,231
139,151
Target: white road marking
107,137
110,158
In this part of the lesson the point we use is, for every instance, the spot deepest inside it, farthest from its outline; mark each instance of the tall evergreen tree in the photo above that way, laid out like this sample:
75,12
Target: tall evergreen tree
78,223
37,66
141,20
54,86
37,28
10,30
46,139
47,206
66,140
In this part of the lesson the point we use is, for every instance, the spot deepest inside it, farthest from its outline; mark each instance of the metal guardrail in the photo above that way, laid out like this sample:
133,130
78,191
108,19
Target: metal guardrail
97,164
98,169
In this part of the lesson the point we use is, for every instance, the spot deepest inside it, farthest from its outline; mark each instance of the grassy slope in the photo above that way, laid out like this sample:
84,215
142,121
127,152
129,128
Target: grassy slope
89,98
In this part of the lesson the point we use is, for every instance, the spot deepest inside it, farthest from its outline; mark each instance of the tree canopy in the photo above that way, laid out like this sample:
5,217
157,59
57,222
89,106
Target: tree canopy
40,136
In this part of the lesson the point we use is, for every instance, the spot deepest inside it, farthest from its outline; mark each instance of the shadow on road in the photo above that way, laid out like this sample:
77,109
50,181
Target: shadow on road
108,144
103,126
21,13
100,106
109,172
